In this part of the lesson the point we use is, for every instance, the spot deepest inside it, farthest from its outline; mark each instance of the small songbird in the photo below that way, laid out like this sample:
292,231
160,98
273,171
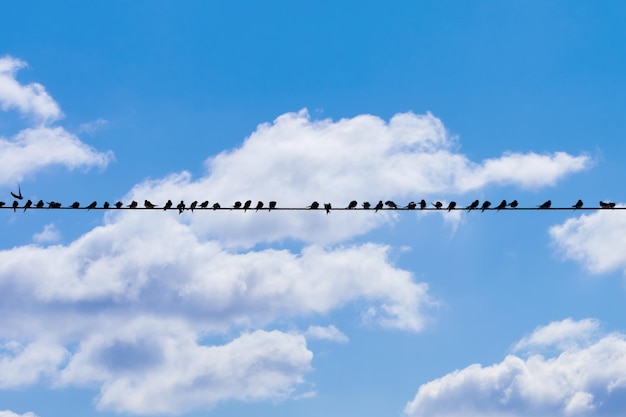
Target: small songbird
106,205
92,205
148,204
237,205
259,205
485,206
452,205
272,205
193,205
28,205
19,193
39,204
412,205
133,204
216,206
472,206
204,204
168,205
578,204
54,204
2,203
606,205
119,205
391,204
15,204
181,206
366,205
327,207
314,205
247,205
513,204
352,205
75,205
546,205
501,206
422,204
438,204
379,206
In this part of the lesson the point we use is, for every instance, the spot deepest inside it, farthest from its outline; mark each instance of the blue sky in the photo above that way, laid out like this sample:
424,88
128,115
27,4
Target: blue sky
302,313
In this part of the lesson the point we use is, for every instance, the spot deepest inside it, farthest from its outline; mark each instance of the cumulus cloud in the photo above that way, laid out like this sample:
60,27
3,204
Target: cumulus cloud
49,234
587,378
22,365
595,240
330,333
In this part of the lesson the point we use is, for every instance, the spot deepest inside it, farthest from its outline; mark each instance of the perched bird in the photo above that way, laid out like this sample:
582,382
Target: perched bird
314,205
75,205
204,204
216,206
119,204
28,205
412,205
501,206
272,205
366,205
193,205
259,205
92,205
422,204
391,204
2,203
19,193
606,205
352,205
513,204
578,204
54,204
379,206
15,204
247,205
106,205
237,205
327,207
438,204
485,206
181,206
452,205
472,206
546,205
148,204
39,204
132,205
168,205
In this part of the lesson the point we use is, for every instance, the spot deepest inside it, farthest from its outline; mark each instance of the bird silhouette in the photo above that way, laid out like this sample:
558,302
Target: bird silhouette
204,204
366,205
168,205
379,206
327,207
485,206
314,205
39,204
422,204
607,205
148,204
181,206
546,205
501,206
472,206
54,204
106,205
193,205
15,204
391,204
19,193
452,205
216,206
237,205
352,205
119,205
272,205
75,205
2,203
578,204
132,205
247,205
92,205
513,204
28,205
438,204
412,205
259,205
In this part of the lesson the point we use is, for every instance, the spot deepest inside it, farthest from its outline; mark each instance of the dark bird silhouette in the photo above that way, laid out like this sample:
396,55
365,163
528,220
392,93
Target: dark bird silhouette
106,205
119,204
2,203
193,205
39,204
216,206
501,206
352,204
75,205
546,205
578,204
237,205
607,205
15,204
181,206
148,204
379,206
259,205
28,205
513,204
366,205
247,205
272,205
412,205
168,205
54,204
472,206
19,193
314,205
452,205
92,205
438,204
204,204
132,205
391,204
485,206
422,204
327,207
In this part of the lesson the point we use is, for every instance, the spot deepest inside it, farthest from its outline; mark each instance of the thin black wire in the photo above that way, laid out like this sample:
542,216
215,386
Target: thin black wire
443,209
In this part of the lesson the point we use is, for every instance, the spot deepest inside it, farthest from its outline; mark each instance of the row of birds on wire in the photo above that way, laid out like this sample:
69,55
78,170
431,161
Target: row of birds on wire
247,205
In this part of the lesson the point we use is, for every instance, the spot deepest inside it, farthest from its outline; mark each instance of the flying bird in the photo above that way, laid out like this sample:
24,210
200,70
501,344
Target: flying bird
193,205
168,205
485,206
391,204
15,204
472,206
379,206
452,205
204,204
422,204
247,205
546,205
181,206
28,205
216,206
19,193
106,205
259,205
578,204
75,205
327,207
513,204
237,205
501,206
366,205
352,205
133,204
438,204
412,205
272,205
39,204
314,205
148,204
119,204
92,205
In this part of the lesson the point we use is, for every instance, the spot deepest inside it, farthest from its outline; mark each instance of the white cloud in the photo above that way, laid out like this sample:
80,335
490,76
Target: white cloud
330,333
22,365
49,234
596,240
93,127
9,413
31,99
587,377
